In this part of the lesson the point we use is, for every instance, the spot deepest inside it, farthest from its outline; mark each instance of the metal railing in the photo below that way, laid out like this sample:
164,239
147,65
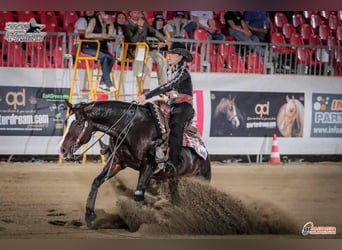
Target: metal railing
58,51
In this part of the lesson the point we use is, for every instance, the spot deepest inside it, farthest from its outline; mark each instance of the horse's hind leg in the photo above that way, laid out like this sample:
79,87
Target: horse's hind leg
90,215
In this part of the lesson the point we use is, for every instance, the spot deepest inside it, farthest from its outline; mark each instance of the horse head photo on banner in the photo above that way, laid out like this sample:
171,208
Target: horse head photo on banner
290,120
227,117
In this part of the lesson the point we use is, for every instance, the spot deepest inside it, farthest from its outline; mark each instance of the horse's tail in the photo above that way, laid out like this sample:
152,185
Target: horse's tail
300,117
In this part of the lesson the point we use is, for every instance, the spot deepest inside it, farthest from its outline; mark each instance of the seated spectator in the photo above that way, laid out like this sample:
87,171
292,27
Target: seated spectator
205,20
238,29
120,19
179,25
158,23
81,25
97,30
260,24
137,29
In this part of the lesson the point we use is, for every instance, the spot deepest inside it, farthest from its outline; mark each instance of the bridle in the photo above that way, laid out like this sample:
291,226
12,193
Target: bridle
120,138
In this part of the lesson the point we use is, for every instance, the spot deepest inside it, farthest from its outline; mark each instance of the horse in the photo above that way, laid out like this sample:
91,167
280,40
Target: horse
133,141
290,118
227,118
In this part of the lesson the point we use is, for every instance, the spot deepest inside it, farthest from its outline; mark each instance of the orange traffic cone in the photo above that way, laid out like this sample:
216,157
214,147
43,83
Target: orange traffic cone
275,157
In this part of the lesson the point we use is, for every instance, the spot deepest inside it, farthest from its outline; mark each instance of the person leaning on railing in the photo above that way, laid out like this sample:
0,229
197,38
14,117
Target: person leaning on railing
137,29
98,29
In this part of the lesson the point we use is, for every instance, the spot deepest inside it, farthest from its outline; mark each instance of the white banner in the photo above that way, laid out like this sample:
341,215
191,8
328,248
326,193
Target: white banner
263,98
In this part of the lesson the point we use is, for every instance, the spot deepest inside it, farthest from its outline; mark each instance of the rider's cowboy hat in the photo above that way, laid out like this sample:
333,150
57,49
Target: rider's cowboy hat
180,49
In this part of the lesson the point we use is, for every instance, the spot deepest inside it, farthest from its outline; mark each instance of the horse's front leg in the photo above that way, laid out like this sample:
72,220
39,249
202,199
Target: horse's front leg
106,174
145,175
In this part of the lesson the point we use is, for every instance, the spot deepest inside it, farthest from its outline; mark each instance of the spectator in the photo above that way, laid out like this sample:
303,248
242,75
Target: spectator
205,20
136,29
179,25
158,23
81,25
97,30
120,19
259,23
238,29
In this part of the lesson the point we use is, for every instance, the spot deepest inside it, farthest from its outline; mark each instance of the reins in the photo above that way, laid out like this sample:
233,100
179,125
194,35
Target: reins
106,132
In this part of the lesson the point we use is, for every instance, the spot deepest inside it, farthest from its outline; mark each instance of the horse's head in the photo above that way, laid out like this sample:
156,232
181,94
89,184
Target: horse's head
78,130
290,109
228,108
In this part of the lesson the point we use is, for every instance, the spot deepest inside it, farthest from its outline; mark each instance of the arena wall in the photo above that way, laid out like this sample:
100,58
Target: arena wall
31,116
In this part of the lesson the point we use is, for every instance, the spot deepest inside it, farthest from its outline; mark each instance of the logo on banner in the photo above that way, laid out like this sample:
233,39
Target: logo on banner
262,109
15,98
24,31
310,229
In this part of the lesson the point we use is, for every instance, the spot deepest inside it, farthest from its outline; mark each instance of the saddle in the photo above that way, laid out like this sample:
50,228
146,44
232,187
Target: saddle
160,111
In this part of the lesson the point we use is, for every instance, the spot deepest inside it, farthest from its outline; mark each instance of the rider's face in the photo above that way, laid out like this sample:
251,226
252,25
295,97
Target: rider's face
173,59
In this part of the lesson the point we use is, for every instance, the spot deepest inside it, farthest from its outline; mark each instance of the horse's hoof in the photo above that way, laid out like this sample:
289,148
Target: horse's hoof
90,217
139,196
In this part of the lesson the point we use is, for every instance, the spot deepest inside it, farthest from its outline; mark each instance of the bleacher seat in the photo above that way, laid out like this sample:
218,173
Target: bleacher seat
339,34
333,23
315,21
254,64
306,31
288,29
25,16
325,15
279,20
297,20
323,32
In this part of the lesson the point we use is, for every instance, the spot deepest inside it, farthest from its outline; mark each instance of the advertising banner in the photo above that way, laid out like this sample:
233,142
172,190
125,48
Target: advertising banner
326,115
32,111
256,114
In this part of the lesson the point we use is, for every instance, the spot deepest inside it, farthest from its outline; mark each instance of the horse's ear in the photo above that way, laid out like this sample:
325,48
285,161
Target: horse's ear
68,103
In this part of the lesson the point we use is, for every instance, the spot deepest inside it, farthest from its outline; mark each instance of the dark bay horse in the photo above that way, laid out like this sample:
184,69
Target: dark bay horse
133,140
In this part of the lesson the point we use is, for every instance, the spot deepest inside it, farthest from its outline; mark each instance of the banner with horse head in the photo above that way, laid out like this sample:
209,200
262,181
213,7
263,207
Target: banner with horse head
256,114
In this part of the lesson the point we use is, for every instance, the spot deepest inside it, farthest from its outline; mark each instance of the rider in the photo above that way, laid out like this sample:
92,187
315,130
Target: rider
178,88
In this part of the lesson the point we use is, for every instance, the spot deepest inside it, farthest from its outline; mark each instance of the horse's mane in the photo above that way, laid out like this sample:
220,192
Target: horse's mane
107,110
300,111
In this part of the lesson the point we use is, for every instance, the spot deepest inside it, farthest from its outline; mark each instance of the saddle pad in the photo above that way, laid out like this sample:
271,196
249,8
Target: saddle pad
195,143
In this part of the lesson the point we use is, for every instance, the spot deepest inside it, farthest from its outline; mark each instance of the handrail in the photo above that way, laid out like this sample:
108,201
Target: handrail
79,49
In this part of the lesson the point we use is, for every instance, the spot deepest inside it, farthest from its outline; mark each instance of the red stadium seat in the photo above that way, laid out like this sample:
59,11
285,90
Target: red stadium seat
297,20
200,35
288,29
333,23
279,20
48,17
325,15
254,64
278,41
25,16
339,34
306,31
323,32
315,21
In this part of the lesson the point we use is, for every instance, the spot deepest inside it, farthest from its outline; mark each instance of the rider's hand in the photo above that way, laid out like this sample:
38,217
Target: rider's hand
141,99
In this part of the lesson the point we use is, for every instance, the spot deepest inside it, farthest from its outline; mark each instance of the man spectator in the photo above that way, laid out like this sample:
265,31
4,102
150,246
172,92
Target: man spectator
97,29
238,29
137,29
179,25
205,20
259,23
